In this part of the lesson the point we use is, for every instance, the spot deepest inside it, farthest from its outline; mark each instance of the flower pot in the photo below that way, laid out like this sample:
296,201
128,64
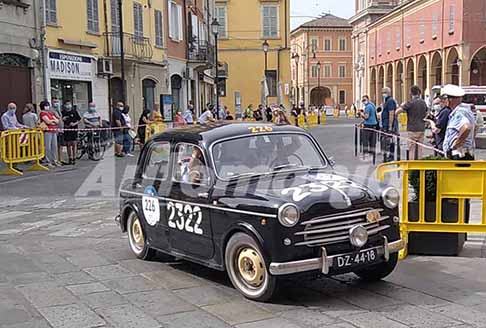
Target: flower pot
436,243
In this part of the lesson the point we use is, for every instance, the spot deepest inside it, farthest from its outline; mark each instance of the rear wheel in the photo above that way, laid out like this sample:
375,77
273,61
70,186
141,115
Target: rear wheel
137,239
379,271
247,269
96,150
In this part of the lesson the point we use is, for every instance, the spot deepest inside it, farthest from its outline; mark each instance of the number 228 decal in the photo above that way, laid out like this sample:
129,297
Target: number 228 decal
185,217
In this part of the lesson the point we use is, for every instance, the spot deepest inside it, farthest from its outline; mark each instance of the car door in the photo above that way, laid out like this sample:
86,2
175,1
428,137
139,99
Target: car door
154,186
189,215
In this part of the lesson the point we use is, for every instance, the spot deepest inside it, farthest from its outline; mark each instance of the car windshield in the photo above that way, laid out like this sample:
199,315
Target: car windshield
266,153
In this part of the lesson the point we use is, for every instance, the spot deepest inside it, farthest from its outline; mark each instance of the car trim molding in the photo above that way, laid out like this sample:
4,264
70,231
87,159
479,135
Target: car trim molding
265,215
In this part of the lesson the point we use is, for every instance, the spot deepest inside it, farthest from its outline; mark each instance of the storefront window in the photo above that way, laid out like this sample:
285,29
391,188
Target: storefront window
78,92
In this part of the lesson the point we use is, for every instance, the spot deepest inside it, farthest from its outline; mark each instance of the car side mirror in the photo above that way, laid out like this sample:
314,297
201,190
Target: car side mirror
332,161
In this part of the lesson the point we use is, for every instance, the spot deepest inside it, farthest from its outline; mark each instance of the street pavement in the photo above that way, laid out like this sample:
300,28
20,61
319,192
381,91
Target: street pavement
64,263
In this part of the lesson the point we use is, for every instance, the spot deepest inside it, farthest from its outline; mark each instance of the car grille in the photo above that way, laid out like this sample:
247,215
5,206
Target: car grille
334,228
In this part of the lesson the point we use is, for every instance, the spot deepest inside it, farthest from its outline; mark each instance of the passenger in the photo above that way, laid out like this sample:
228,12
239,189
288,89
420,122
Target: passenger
196,166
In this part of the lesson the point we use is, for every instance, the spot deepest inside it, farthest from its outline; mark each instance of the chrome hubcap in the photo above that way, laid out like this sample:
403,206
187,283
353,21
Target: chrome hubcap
137,234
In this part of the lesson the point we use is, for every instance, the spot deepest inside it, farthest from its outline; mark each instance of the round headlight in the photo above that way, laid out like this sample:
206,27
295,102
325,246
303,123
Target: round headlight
358,236
288,215
391,197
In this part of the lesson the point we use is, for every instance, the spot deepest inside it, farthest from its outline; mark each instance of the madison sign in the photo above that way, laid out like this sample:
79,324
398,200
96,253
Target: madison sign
70,67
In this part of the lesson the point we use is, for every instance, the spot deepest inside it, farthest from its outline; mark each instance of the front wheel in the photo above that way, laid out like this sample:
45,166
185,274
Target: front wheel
137,238
379,271
247,270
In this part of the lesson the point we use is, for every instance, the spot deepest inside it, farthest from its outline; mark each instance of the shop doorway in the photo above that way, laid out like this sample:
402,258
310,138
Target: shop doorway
78,92
148,90
176,87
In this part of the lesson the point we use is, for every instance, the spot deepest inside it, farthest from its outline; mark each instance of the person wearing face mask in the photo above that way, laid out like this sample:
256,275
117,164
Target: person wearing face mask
92,119
438,125
370,123
118,123
389,124
50,122
9,118
127,135
71,119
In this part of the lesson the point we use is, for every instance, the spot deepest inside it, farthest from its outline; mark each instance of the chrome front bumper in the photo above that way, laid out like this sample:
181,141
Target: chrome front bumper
324,263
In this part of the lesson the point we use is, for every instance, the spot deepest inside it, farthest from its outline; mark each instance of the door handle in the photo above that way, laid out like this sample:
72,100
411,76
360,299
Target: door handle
203,195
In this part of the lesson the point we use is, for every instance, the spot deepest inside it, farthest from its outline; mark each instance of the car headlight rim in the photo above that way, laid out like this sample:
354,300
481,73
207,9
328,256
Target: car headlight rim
285,219
391,197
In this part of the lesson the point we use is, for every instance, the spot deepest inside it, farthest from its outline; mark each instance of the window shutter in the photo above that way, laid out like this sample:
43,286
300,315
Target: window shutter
171,22
179,18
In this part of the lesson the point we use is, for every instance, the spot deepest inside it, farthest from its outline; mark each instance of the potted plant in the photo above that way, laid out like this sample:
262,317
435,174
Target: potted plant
432,243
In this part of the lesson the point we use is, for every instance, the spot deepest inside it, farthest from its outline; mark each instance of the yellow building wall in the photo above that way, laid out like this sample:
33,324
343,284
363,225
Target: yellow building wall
72,24
242,51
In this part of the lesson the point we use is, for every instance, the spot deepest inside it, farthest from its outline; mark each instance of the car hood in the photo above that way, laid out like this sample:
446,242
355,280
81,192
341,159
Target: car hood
330,190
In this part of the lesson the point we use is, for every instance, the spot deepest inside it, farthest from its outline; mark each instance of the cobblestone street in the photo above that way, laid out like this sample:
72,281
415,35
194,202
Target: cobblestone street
65,263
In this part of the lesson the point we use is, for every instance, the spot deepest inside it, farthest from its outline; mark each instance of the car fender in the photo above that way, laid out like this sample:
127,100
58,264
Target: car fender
124,214
248,229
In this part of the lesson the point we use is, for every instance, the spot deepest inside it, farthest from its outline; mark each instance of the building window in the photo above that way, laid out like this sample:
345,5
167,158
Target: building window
51,12
435,25
270,21
342,71
222,87
159,34
220,14
93,20
327,71
314,44
342,97
398,39
115,17
314,71
342,44
138,20
422,32
175,21
327,45
271,77
452,18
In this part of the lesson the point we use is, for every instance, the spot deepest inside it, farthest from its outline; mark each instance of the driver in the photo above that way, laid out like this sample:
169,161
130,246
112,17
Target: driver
194,171
287,152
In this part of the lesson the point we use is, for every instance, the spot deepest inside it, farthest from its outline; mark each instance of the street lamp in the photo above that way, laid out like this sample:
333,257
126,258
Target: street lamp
296,57
215,29
265,47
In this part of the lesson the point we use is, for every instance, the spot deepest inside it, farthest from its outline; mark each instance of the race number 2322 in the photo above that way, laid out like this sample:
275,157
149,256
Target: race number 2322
185,217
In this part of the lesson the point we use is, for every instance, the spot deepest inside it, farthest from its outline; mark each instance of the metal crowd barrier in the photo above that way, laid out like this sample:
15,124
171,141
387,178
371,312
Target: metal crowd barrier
22,146
455,180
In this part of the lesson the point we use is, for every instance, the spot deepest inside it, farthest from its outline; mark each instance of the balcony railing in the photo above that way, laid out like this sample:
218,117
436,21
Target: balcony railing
201,51
134,46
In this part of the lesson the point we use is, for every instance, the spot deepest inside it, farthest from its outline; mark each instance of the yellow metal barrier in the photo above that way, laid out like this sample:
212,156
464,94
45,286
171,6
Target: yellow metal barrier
301,120
336,112
153,129
312,119
323,118
22,146
402,121
458,180
351,114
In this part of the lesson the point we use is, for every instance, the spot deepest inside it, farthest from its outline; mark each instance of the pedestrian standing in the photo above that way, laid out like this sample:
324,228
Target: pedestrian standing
50,122
9,118
459,137
118,124
188,113
269,114
71,119
144,120
56,108
389,124
370,124
257,113
30,117
127,134
416,110
229,117
206,117
295,114
438,124
248,112
281,118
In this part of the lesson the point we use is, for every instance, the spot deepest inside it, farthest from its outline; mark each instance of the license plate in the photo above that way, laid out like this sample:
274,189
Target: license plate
363,257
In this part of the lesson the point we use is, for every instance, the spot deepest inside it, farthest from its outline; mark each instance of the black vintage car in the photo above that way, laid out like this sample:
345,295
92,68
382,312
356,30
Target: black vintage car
260,201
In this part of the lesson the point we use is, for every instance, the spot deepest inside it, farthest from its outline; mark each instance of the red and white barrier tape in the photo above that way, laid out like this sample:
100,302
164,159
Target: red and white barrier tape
404,138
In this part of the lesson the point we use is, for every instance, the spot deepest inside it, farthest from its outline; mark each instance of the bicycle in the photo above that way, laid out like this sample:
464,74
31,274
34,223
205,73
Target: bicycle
91,143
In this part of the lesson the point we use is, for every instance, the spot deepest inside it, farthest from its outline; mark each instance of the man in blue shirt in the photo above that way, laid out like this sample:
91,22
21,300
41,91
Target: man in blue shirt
370,124
9,118
389,124
459,137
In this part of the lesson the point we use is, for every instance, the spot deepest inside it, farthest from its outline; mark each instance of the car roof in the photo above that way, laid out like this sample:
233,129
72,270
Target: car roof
209,133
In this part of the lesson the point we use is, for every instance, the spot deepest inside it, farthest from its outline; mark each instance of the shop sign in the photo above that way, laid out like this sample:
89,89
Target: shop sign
70,67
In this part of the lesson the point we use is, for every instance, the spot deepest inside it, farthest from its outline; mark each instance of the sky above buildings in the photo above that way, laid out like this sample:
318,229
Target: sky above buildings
305,10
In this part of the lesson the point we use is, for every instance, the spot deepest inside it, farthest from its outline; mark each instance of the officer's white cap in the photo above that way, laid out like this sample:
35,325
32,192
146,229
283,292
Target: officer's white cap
452,90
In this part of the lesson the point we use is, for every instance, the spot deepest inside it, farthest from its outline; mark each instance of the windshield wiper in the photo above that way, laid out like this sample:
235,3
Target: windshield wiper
284,166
